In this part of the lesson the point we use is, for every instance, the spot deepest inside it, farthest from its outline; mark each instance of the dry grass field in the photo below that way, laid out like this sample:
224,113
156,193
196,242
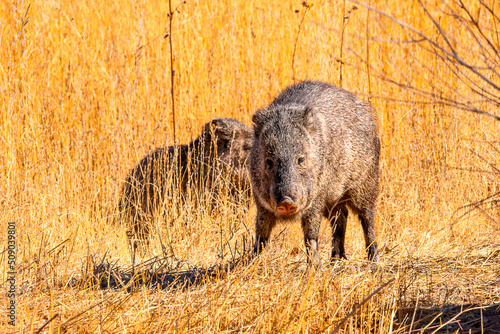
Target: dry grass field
85,93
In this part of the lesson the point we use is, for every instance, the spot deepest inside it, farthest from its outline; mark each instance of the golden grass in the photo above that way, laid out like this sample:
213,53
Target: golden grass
85,93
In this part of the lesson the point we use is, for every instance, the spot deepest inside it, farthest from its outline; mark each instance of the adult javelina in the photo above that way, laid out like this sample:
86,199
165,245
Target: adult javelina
214,160
315,151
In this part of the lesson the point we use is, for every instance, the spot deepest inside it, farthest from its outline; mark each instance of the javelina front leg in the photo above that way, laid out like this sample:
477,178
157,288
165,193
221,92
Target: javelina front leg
310,226
263,226
338,221
368,222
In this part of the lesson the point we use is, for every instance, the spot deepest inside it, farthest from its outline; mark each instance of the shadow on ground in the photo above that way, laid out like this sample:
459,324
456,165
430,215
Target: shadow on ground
156,273
467,318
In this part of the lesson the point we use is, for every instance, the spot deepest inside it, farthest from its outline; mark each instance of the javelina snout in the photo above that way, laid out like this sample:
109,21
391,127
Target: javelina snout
214,162
315,151
283,161
285,193
286,206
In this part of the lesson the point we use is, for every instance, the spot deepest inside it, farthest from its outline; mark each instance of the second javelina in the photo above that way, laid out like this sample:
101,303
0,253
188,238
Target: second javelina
315,150
214,160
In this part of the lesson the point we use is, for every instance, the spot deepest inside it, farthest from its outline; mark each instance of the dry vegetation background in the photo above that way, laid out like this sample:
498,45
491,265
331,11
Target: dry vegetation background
85,93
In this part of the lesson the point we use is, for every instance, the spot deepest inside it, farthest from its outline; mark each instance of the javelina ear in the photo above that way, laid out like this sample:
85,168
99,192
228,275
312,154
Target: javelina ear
258,119
218,127
308,119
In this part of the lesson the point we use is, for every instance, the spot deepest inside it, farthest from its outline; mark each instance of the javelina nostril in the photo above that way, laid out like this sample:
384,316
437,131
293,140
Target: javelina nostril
286,206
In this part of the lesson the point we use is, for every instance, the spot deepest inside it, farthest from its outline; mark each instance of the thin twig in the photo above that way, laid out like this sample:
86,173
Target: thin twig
356,308
345,19
45,324
341,60
172,72
307,6
368,54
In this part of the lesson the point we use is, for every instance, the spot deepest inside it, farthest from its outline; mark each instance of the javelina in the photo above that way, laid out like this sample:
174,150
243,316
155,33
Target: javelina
315,150
214,160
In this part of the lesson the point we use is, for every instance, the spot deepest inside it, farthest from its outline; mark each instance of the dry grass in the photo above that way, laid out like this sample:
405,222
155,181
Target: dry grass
85,93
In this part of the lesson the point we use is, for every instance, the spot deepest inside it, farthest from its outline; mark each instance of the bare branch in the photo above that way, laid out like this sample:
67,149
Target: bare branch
429,95
436,45
438,26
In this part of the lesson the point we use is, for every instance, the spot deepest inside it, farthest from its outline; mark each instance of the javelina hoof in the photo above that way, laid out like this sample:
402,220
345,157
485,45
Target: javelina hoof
373,256
336,258
313,258
259,245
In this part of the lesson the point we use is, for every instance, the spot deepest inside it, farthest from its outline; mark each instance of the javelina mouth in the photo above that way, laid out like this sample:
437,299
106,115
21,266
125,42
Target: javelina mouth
286,206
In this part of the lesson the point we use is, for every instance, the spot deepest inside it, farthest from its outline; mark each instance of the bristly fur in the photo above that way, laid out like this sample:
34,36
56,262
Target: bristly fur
318,145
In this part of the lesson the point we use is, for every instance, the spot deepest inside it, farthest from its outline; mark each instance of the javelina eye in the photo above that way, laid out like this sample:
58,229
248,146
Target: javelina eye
269,163
301,160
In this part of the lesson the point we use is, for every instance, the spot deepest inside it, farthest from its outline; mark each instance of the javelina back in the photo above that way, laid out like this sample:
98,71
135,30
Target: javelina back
315,150
215,161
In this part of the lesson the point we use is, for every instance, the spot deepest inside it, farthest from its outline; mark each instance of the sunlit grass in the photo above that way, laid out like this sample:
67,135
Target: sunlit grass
85,94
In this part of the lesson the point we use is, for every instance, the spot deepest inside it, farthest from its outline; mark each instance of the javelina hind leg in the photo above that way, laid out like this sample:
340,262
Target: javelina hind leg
263,226
311,223
367,218
338,221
